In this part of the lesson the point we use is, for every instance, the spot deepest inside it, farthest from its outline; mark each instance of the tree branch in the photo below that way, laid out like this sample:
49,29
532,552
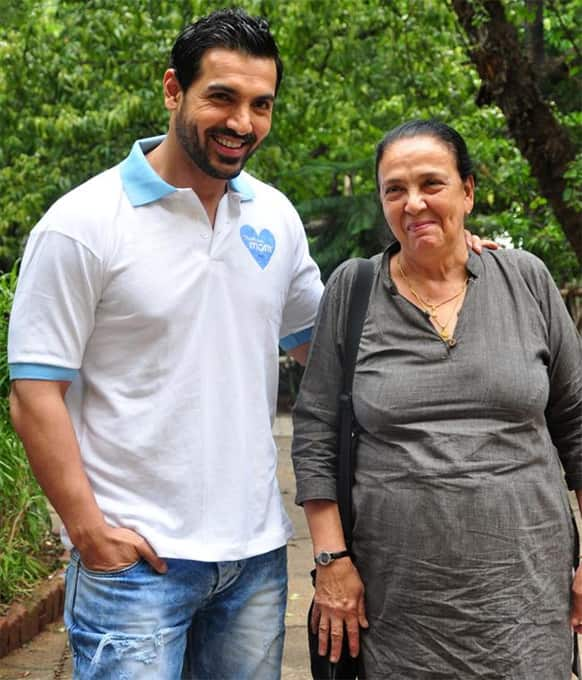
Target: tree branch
510,79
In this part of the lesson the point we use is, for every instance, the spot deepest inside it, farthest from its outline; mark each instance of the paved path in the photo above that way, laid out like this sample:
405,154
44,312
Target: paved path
47,656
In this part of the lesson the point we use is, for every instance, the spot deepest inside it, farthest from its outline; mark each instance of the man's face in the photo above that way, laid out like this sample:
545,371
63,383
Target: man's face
226,113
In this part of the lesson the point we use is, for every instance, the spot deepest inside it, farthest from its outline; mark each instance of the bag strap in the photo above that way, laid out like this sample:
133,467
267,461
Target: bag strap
357,308
347,424
576,662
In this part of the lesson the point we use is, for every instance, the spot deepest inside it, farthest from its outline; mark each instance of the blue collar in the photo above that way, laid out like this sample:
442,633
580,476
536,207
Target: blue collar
242,187
143,185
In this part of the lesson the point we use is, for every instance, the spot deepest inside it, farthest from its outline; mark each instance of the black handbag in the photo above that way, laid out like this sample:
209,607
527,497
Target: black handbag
346,668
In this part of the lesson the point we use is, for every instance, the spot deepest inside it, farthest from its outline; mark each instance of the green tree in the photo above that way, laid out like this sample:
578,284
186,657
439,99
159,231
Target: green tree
81,79
515,76
360,68
27,549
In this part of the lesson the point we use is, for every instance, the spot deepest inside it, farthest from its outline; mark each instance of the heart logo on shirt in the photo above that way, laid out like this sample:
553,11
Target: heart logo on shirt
260,246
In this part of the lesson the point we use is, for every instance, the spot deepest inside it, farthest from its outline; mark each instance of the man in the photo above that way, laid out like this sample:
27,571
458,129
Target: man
144,358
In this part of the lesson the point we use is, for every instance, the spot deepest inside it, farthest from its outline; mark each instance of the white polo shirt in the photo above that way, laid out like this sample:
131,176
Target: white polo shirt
169,331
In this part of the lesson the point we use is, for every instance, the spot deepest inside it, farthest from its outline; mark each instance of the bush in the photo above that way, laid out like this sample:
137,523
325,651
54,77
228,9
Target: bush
25,527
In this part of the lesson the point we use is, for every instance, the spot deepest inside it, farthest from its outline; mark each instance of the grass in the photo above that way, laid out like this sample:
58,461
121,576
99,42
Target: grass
27,548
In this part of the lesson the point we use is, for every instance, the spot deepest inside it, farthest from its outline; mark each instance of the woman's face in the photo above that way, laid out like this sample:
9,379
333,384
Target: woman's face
422,194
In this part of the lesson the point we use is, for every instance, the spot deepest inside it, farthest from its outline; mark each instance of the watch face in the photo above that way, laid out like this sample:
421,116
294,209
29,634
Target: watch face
323,558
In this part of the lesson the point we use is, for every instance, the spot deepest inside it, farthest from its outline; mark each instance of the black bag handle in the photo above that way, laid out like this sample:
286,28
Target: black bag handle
576,662
347,424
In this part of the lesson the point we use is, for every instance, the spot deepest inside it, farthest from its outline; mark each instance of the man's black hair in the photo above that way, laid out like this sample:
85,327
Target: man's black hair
231,29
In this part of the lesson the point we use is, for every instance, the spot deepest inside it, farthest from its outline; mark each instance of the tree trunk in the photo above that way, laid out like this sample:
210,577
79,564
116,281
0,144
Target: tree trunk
534,32
510,80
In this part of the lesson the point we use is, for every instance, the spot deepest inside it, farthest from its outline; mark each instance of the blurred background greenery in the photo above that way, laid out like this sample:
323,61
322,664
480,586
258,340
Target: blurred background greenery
80,80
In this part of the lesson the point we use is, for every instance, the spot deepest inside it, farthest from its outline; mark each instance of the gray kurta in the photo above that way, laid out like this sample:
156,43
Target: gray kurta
462,529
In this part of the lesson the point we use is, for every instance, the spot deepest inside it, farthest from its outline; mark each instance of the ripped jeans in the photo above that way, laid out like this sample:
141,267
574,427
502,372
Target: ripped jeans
211,620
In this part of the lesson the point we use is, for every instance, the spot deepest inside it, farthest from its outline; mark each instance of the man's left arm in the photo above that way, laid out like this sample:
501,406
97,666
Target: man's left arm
300,353
303,295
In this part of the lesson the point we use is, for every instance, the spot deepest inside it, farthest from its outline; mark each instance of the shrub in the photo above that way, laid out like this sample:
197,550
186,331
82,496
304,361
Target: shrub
27,549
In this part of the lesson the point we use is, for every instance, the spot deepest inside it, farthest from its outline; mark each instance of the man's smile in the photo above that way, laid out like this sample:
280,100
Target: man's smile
229,143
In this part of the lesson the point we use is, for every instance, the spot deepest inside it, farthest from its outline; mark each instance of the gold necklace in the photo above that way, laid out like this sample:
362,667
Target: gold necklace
444,334
430,309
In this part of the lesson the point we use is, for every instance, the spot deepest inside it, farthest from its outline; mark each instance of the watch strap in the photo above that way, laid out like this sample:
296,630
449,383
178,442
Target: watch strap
324,557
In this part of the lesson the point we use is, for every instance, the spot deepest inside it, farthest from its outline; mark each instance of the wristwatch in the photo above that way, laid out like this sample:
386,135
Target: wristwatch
324,557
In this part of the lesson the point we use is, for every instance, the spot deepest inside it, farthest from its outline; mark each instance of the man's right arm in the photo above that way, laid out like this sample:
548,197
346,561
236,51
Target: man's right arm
41,419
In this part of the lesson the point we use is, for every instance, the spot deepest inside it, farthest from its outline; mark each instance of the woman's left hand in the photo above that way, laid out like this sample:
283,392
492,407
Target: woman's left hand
338,608
576,611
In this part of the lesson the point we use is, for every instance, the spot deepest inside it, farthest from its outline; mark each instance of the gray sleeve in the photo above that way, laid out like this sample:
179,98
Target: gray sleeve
315,412
564,409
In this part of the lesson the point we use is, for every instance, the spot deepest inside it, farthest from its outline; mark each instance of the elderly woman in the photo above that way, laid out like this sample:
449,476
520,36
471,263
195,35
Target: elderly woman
468,392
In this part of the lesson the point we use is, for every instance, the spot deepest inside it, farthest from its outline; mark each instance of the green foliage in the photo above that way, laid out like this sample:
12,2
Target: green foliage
81,79
24,519
80,84
356,70
573,193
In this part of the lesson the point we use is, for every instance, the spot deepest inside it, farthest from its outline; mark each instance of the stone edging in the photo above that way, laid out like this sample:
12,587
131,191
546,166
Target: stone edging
26,619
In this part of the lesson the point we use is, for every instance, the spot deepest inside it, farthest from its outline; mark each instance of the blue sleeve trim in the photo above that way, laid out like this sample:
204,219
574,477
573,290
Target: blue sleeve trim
41,372
295,339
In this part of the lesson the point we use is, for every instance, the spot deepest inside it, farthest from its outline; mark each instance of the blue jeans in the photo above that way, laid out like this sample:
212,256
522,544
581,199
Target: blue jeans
215,620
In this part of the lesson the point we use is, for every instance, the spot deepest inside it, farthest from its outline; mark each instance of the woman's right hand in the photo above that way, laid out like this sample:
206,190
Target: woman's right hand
338,602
